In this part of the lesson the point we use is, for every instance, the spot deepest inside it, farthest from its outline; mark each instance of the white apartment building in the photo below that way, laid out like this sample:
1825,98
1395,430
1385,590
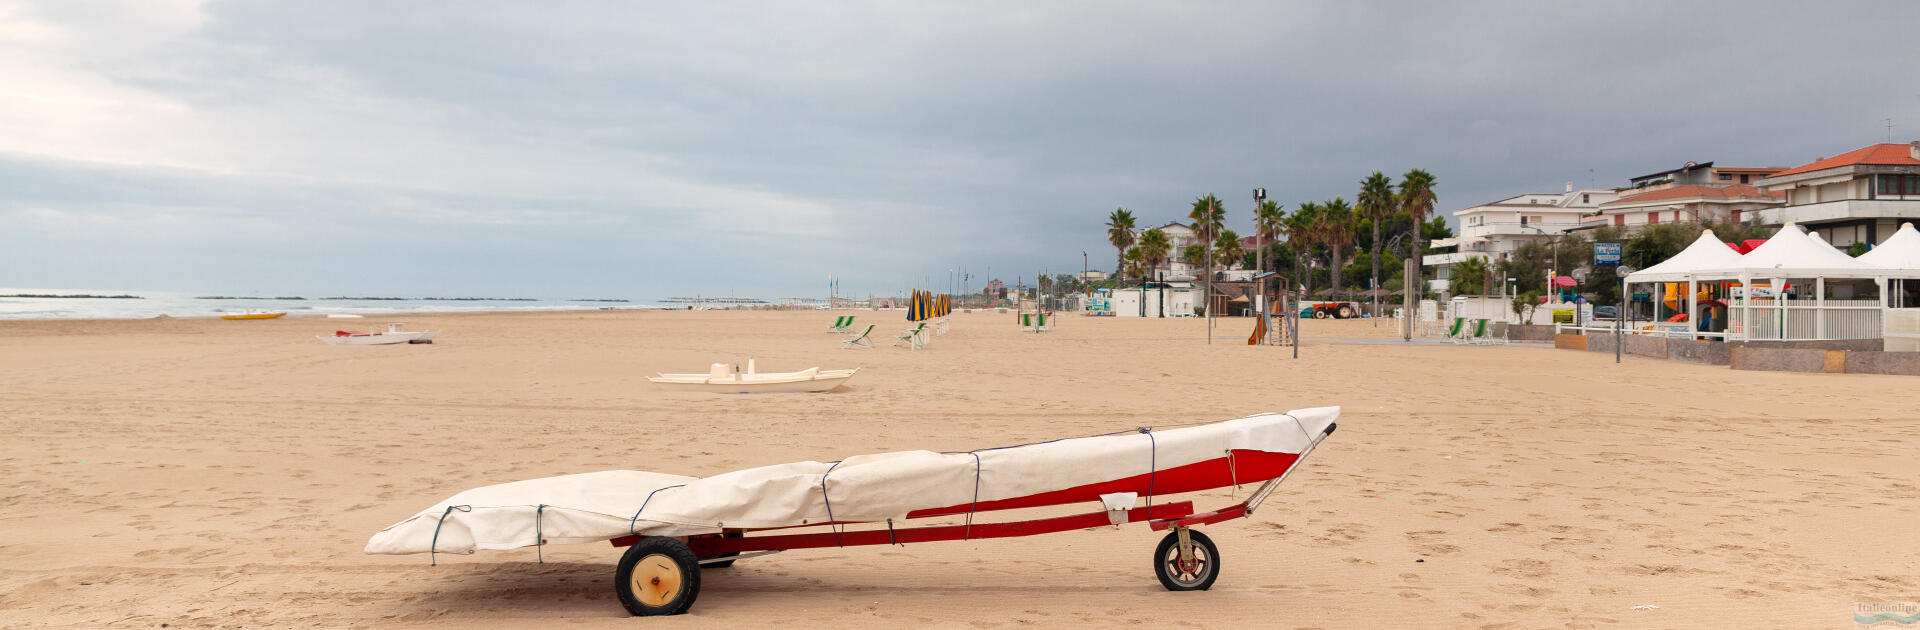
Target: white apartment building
1494,230
1179,236
1860,196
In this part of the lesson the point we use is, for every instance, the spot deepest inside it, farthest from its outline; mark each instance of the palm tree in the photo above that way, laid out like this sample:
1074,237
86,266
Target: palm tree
1377,204
1209,217
1134,264
1302,230
1195,254
1269,222
1120,234
1469,276
1227,250
1417,198
1336,231
1155,247
1301,238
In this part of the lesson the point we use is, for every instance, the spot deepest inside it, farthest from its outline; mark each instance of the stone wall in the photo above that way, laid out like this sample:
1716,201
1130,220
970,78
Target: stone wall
1529,332
1871,362
1784,359
1644,346
1705,352
1851,356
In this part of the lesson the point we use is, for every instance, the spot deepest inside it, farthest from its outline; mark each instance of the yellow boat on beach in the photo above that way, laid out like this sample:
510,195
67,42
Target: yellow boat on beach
255,315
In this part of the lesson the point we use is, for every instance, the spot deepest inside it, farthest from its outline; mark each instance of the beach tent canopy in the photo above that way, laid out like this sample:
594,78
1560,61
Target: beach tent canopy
1793,254
1901,251
1706,252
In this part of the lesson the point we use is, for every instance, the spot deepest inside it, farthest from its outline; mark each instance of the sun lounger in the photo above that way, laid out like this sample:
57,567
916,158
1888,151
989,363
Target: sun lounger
861,340
1498,334
1457,331
1477,336
912,339
841,324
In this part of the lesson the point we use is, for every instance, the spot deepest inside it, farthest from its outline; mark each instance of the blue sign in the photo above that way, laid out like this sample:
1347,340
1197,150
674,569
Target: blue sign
1606,253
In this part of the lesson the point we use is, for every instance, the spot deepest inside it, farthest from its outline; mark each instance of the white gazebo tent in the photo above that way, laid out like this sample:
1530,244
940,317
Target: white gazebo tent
1792,254
1901,251
1706,252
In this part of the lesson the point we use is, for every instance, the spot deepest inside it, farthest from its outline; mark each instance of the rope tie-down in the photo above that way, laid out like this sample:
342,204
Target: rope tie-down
539,540
433,547
633,522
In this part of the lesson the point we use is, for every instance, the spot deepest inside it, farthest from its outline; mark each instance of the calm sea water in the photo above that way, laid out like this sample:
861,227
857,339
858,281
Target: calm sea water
174,304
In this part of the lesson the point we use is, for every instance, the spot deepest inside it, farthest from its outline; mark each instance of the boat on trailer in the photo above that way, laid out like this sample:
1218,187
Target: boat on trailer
392,335
674,526
725,378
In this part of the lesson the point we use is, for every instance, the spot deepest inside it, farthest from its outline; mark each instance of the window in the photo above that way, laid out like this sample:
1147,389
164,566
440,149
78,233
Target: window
1583,198
1619,219
1734,215
1743,178
1725,177
1523,221
1899,184
1653,217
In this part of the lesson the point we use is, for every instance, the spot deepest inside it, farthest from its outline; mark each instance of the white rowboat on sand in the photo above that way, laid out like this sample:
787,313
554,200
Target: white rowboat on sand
724,378
392,335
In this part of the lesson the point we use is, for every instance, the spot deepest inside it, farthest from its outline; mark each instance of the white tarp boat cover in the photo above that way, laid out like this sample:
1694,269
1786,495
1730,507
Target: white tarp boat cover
599,506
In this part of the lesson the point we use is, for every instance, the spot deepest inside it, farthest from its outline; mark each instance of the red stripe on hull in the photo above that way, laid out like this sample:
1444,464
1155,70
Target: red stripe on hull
1245,466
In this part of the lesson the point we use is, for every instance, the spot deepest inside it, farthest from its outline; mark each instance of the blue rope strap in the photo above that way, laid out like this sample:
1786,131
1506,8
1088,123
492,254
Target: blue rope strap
633,522
539,540
433,547
829,501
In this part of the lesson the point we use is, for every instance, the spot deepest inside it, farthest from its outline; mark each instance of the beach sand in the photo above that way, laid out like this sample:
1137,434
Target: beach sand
207,473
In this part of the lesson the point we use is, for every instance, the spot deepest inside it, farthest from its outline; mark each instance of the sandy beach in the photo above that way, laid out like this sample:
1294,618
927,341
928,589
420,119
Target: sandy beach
208,473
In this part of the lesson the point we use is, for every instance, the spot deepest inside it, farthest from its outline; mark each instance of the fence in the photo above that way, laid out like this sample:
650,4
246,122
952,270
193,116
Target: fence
1803,319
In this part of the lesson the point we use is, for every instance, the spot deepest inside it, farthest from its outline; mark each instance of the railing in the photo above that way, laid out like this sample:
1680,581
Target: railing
1804,319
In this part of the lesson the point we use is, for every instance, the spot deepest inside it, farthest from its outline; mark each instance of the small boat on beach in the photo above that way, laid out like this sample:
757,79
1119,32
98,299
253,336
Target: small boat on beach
725,378
392,335
255,315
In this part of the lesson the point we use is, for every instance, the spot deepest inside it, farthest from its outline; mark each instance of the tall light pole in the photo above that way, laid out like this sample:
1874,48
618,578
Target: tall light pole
1260,244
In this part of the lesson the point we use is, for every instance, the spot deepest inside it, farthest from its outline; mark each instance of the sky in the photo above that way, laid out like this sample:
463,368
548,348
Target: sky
646,150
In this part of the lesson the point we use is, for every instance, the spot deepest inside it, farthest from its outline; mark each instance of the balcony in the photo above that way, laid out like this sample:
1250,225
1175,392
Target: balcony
1440,260
1543,228
1843,210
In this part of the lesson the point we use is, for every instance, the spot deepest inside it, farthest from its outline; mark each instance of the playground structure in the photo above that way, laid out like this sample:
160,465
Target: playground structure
1277,323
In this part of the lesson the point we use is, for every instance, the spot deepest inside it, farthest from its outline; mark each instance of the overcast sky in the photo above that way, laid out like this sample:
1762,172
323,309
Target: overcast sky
615,150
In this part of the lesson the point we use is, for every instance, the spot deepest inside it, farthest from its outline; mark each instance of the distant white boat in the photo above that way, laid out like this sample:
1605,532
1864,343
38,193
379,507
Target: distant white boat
392,335
724,378
342,316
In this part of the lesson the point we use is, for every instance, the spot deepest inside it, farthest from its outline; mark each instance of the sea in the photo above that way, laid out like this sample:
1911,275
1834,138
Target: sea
177,304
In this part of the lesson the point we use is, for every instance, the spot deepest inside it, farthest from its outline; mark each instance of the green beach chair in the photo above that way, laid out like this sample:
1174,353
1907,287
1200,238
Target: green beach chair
1453,332
1479,335
860,340
841,324
912,339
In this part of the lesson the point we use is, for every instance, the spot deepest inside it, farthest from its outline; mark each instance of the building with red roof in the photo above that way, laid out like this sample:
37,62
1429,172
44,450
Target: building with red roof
1860,196
1691,202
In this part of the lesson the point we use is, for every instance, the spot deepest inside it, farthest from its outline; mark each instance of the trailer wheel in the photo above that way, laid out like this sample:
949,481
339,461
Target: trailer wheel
1346,312
657,576
1196,575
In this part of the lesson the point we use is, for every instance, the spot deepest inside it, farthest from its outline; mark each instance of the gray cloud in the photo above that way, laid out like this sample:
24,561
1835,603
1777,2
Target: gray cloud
648,151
